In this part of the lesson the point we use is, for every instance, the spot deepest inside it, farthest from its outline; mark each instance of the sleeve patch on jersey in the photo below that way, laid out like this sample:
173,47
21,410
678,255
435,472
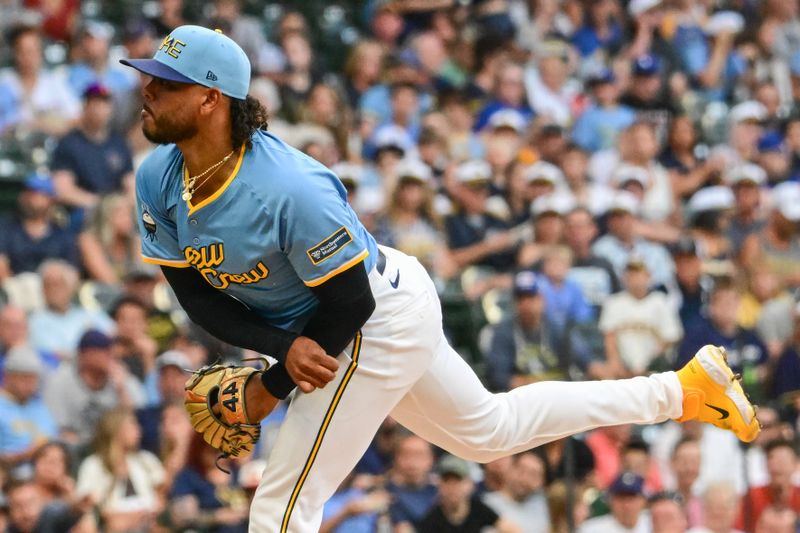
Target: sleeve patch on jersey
149,223
330,246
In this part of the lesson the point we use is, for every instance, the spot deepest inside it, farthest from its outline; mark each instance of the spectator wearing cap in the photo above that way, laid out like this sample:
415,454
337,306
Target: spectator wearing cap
164,387
456,510
745,351
594,275
57,327
774,158
409,222
744,130
31,235
521,500
547,214
710,210
92,65
621,242
691,283
508,94
525,348
778,243
38,99
746,182
647,96
91,160
627,502
598,127
25,421
639,326
475,237
543,179
80,392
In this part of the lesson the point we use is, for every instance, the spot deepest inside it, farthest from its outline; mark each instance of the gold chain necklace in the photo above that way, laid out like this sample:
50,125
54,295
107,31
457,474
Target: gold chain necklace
191,185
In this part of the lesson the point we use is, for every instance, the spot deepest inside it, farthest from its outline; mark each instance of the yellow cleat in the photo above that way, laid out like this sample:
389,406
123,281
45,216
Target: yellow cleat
713,394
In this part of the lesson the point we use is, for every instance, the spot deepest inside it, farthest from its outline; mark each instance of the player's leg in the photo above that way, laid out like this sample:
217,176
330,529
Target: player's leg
451,408
326,432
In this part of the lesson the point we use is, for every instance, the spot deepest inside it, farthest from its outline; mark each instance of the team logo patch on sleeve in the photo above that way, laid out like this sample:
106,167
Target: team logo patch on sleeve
149,224
330,246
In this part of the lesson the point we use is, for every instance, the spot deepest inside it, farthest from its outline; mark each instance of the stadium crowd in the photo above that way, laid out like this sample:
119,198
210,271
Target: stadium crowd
597,187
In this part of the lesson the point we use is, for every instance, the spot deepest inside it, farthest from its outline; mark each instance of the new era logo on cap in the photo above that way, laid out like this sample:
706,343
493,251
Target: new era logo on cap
211,76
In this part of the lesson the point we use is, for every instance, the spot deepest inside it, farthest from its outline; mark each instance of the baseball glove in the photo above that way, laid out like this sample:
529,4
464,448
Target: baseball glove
215,402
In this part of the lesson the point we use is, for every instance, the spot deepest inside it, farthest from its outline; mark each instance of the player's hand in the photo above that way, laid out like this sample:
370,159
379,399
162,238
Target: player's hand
309,366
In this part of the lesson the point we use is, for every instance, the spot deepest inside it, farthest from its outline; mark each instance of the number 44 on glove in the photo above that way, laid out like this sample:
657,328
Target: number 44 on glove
215,401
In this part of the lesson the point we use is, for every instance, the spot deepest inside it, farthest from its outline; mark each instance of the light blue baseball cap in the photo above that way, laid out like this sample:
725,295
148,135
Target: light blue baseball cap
193,54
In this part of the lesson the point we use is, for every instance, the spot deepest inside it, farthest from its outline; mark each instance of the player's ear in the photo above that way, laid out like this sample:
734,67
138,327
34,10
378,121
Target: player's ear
211,100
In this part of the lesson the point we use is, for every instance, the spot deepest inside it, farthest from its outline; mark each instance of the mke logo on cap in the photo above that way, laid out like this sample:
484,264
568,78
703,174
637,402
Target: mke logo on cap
171,46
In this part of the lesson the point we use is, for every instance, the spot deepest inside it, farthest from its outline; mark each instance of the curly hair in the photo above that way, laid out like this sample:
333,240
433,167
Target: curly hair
247,116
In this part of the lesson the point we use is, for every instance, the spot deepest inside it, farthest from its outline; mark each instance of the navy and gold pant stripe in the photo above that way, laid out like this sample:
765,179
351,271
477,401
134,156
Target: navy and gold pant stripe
351,368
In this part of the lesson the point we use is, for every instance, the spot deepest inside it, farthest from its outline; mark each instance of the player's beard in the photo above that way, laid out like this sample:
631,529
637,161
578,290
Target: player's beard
168,129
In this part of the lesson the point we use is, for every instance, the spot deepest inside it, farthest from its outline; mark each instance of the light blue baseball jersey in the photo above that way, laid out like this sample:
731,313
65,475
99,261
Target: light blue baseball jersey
279,224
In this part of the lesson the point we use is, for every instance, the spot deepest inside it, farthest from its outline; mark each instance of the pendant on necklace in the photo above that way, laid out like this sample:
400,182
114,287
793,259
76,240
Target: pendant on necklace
186,196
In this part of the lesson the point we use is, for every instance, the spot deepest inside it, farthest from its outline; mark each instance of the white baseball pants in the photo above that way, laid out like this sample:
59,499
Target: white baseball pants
401,365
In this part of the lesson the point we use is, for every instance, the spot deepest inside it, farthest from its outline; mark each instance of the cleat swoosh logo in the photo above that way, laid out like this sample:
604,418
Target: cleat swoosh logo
723,414
396,281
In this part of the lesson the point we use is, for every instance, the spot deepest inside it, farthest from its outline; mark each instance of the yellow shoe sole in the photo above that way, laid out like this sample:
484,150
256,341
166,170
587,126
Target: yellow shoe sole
713,394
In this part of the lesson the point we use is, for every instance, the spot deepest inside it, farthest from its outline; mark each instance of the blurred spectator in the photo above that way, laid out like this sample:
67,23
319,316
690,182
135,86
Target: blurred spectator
667,513
592,273
109,243
170,15
133,346
693,286
780,492
142,284
353,509
682,157
602,31
410,223
567,453
31,235
551,94
508,93
621,242
40,100
80,392
778,243
786,376
628,512
31,512
648,97
299,75
494,475
521,501
636,458
709,216
565,307
58,327
164,388
203,496
362,69
720,506
639,326
746,182
409,484
607,444
51,471
455,508
745,351
598,127
91,64
777,519
588,194
123,479
474,236
91,160
13,332
25,422
246,30
525,347
685,466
